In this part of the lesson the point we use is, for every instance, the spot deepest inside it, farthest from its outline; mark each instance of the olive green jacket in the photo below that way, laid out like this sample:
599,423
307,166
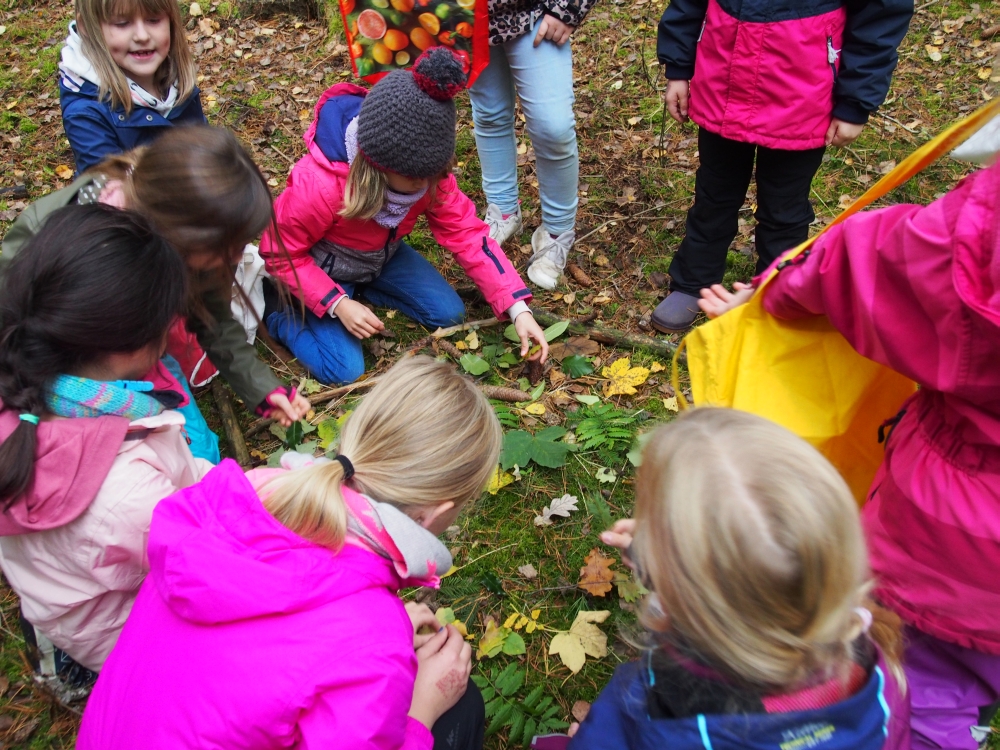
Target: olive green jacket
225,341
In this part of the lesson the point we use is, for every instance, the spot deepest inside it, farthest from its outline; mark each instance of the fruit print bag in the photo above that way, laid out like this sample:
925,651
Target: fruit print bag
384,35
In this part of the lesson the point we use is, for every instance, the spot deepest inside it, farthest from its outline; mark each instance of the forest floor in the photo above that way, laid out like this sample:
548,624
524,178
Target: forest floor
261,76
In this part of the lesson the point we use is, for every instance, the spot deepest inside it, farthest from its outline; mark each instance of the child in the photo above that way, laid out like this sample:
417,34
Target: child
126,76
530,56
775,83
915,288
271,616
758,632
202,191
377,161
86,450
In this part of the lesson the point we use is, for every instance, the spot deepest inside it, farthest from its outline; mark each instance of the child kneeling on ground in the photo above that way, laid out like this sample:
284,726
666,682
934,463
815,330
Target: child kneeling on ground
88,447
378,160
759,634
271,616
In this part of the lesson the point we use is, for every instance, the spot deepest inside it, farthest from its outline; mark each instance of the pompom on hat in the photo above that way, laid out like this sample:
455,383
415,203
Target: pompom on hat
407,121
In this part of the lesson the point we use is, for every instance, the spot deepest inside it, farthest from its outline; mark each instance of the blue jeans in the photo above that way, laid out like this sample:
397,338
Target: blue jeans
408,283
543,77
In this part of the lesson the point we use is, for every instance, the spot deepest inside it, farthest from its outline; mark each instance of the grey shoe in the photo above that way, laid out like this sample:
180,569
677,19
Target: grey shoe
549,258
676,313
502,229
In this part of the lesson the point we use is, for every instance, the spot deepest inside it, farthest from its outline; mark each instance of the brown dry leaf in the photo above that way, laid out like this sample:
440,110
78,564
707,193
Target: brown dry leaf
528,571
580,710
581,345
596,576
556,377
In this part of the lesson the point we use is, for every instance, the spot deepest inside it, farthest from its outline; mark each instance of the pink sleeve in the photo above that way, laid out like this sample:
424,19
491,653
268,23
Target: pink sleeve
883,278
453,221
304,215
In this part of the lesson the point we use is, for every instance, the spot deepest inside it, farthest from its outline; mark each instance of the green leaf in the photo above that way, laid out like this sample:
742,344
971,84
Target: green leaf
551,433
538,391
516,727
516,449
474,364
482,683
278,431
550,454
513,645
500,719
508,359
308,447
492,583
555,330
530,730
329,432
532,698
274,460
588,400
510,333
576,366
307,386
599,511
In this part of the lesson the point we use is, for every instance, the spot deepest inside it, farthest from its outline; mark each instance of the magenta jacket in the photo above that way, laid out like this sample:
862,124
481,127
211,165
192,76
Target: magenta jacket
918,289
774,72
307,215
245,635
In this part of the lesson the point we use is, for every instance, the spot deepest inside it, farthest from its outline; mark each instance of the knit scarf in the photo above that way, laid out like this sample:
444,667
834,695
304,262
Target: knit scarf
397,205
70,396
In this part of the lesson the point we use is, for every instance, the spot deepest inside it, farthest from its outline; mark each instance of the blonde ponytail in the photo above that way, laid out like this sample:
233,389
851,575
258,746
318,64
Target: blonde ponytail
423,436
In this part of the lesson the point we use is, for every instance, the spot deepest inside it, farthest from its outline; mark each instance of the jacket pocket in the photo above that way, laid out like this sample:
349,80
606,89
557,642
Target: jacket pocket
832,55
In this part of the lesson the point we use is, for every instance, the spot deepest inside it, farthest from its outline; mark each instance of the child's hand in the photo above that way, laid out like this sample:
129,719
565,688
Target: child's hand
717,300
422,617
358,319
842,133
528,330
620,536
443,666
677,100
554,29
286,412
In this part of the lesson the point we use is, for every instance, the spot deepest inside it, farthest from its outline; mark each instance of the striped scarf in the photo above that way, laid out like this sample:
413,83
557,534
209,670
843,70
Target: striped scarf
70,396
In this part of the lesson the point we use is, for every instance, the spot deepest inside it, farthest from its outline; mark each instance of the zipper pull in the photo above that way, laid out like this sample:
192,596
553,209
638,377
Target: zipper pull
831,53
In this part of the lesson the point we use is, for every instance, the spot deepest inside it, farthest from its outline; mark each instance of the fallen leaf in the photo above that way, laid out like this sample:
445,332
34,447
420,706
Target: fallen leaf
556,377
528,571
583,639
587,399
601,260
617,85
606,475
64,172
634,120
446,616
560,506
623,377
535,408
579,345
596,576
580,710
498,480
491,643
934,53
656,367
628,588
670,404
472,340
195,10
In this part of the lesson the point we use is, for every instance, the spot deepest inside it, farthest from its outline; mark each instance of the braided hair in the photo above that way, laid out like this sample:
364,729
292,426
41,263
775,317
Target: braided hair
95,280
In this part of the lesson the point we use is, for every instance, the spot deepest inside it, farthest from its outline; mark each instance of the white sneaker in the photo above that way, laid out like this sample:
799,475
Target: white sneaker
502,229
549,257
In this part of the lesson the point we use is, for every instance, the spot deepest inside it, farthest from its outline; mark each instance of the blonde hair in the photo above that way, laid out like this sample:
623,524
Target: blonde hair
752,543
179,66
423,436
364,189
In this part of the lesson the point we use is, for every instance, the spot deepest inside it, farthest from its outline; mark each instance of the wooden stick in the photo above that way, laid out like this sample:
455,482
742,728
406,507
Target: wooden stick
442,332
233,434
317,398
610,336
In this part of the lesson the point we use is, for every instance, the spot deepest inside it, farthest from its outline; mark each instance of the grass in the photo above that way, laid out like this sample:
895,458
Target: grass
635,190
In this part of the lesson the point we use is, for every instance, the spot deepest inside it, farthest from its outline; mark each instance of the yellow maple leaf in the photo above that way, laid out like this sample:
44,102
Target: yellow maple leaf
670,404
499,480
656,367
583,639
64,172
624,378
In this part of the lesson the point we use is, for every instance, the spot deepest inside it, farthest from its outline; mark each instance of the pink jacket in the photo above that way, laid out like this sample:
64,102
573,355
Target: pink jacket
74,546
245,635
307,213
918,289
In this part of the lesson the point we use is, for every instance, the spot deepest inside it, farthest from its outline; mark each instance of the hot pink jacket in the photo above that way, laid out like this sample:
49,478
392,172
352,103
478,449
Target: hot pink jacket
918,289
245,635
74,546
307,212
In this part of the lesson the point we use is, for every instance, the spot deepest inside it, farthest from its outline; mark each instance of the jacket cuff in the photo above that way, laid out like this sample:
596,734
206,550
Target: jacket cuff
849,110
502,304
678,72
517,308
264,408
330,299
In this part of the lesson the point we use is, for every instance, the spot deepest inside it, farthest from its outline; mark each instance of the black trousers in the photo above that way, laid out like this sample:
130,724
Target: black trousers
461,727
783,210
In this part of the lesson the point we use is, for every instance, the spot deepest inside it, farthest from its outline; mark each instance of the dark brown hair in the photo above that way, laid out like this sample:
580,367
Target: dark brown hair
95,280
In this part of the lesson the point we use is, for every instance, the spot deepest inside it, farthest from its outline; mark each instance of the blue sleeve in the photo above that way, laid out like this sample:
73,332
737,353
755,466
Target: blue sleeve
607,724
677,37
874,30
90,135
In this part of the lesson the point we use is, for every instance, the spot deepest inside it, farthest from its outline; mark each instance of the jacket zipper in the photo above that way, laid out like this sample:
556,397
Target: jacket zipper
491,256
831,57
704,22
388,241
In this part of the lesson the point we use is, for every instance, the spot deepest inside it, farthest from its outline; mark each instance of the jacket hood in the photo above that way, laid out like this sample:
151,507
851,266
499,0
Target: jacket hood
216,555
334,111
976,271
72,459
74,66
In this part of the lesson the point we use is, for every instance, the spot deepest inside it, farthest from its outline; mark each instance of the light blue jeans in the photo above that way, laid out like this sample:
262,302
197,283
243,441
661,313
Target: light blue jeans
542,77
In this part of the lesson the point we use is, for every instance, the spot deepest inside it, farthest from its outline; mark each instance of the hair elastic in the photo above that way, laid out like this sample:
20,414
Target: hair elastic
346,463
865,615
26,417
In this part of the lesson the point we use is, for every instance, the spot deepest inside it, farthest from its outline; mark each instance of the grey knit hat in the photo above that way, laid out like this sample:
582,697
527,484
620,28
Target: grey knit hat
407,121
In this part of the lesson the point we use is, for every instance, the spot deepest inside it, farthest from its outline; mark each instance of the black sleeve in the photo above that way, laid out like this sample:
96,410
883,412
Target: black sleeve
874,30
677,37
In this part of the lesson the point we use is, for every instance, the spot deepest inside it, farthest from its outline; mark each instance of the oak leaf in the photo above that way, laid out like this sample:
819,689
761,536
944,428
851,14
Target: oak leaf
623,377
560,506
596,576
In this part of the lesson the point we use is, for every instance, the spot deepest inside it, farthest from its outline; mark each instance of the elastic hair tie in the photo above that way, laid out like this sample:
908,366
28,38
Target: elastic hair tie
865,615
346,463
32,418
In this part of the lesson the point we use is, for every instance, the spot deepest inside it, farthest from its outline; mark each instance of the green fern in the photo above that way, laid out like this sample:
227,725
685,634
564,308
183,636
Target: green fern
523,717
604,428
505,416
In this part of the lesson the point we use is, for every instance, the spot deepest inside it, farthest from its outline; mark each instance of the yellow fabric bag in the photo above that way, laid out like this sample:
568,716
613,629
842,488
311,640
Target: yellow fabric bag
802,374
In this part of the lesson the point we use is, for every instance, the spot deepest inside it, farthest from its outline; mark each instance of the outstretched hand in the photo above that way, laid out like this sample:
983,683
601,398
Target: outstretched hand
285,412
620,536
717,300
528,330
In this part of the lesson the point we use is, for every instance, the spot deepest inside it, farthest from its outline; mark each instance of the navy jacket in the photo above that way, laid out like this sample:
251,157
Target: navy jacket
620,719
95,130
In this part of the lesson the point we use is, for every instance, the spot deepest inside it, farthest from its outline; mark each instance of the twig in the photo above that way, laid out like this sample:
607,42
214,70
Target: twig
491,552
623,218
449,348
18,191
925,5
820,199
613,336
280,153
442,332
319,398
890,118
232,426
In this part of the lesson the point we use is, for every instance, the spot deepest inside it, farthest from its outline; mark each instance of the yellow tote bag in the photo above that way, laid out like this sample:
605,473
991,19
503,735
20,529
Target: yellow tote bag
802,374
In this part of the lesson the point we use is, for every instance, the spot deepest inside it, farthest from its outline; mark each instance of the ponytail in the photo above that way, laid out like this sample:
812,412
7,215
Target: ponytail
95,280
312,506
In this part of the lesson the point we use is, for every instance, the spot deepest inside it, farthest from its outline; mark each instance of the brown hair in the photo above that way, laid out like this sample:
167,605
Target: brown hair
364,189
423,436
752,543
179,66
